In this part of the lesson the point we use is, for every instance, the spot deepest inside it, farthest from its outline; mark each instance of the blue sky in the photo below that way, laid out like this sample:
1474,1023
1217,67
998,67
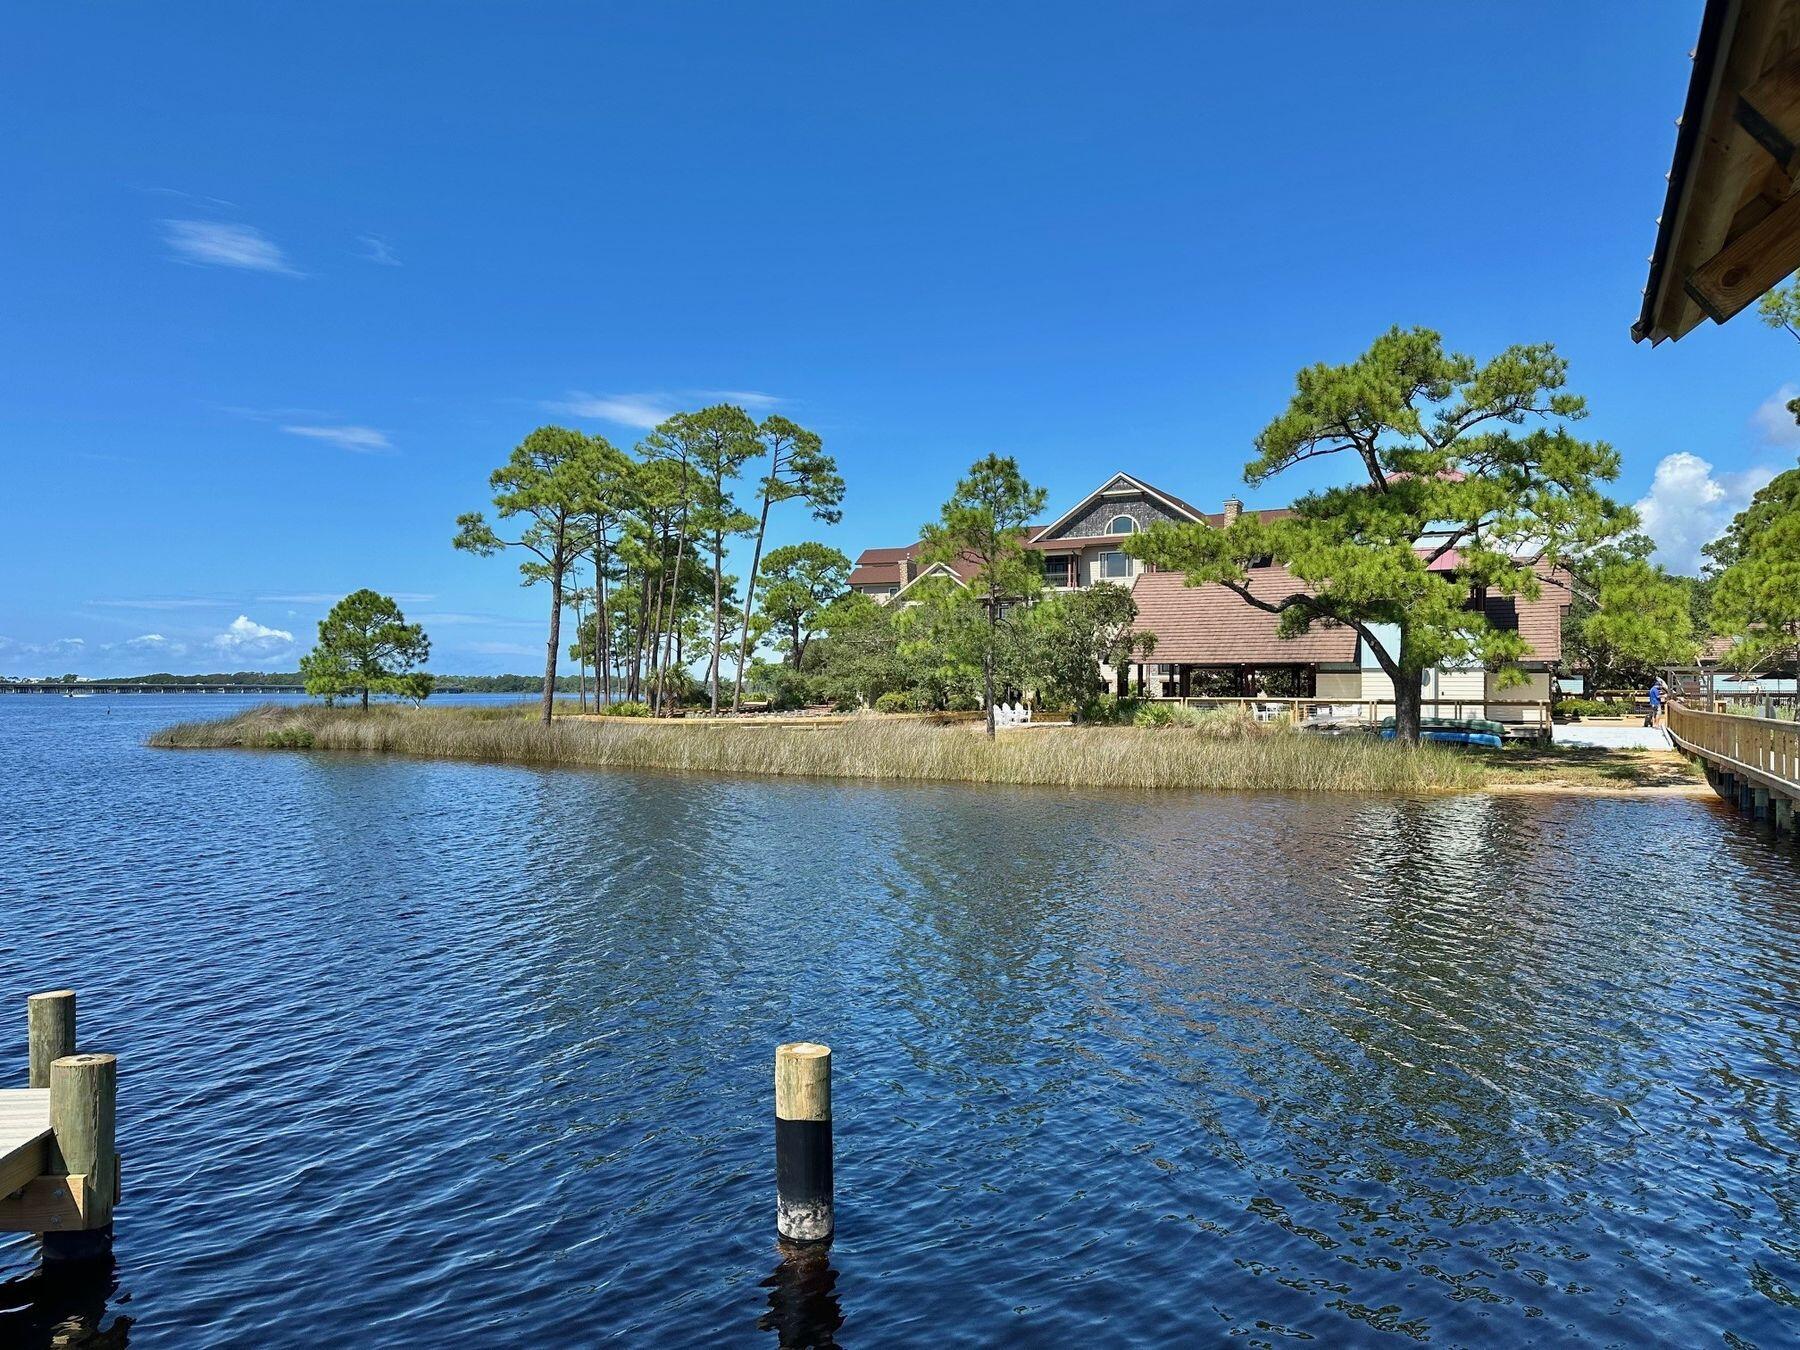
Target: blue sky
280,285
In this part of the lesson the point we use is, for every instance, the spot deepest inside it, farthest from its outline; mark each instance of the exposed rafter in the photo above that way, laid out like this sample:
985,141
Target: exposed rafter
1730,228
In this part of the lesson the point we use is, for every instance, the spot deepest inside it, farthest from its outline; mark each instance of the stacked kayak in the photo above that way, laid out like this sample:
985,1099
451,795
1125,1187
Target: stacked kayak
1453,731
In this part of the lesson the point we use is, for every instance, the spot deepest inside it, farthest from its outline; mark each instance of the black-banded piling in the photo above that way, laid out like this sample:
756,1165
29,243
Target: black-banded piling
803,1160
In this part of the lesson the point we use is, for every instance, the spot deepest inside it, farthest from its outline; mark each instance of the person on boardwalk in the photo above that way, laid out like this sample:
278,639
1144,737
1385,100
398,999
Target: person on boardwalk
1659,695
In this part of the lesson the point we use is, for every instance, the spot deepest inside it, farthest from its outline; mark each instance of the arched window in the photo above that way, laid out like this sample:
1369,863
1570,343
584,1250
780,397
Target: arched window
1121,525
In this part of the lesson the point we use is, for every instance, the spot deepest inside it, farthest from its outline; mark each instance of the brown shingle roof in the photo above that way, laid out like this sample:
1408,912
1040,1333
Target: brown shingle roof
1210,625
888,566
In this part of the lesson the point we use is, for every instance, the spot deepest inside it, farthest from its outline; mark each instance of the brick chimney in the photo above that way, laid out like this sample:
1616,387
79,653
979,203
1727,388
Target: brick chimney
1233,509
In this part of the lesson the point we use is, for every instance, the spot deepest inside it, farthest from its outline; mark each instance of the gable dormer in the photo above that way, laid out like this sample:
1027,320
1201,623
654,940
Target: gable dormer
1121,506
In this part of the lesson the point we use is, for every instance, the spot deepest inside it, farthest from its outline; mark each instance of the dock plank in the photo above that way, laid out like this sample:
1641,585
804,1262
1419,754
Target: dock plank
24,1128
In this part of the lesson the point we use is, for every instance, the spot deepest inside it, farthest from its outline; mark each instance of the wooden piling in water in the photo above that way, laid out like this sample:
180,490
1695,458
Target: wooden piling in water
84,1093
59,1162
49,1034
803,1161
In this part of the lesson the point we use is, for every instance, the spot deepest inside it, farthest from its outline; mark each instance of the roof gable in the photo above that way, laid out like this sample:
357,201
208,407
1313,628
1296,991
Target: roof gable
1124,487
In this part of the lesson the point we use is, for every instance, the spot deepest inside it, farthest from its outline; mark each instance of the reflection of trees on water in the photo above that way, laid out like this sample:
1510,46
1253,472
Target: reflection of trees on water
1429,1038
63,1303
989,905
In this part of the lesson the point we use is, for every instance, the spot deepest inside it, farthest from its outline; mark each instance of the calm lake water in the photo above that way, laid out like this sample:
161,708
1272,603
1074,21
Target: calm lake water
426,1054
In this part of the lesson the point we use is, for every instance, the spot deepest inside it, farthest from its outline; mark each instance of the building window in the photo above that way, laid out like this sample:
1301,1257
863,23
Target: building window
1056,570
1121,525
1114,566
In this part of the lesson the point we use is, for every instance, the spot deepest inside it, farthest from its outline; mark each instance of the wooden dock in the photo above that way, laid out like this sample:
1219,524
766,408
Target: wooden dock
59,1169
24,1136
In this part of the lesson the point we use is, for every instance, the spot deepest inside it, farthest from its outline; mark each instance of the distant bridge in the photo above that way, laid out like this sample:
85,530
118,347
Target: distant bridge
139,687
1752,762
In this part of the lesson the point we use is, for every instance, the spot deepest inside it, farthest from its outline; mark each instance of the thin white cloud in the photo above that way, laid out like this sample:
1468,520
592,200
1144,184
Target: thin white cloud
455,620
377,250
1688,506
246,637
150,642
274,414
190,197
171,602
744,398
68,646
332,597
1773,423
214,243
648,410
363,440
632,410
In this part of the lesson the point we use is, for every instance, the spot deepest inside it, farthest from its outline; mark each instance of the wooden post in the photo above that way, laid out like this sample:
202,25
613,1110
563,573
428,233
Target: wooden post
1760,796
803,1141
49,1032
1784,816
83,1105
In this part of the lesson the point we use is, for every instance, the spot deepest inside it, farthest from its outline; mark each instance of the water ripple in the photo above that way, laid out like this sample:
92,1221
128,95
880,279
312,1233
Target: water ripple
419,1052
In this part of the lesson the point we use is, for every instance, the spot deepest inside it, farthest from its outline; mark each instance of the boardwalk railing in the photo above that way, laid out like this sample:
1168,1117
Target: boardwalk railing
1759,746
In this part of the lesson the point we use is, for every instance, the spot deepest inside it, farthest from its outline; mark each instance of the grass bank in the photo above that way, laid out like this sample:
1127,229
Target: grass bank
1571,768
1229,754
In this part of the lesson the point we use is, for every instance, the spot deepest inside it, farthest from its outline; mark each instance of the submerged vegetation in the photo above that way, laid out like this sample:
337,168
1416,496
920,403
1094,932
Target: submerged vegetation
1226,753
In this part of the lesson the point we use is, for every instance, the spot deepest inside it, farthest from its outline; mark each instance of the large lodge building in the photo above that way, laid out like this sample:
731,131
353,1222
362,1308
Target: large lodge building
1209,642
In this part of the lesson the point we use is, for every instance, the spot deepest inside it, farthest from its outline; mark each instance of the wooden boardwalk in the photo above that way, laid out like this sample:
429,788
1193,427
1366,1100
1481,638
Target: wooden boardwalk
24,1132
1752,762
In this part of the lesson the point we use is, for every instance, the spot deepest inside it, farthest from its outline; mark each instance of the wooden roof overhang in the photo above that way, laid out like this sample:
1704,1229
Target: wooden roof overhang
1730,226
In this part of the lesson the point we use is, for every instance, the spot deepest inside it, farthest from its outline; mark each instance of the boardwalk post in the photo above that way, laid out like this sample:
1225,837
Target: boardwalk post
803,1182
1761,797
49,1032
83,1105
1784,816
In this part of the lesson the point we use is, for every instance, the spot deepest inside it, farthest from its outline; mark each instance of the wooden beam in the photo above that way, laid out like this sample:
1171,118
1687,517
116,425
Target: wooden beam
1761,258
1759,35
26,1164
1770,111
47,1205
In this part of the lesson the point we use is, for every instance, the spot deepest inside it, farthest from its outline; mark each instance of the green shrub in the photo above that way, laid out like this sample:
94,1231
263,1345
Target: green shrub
895,701
630,708
1594,707
289,738
962,702
788,688
1108,710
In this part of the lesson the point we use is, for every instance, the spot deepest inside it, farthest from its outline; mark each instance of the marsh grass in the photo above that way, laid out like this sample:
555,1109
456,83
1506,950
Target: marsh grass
1229,754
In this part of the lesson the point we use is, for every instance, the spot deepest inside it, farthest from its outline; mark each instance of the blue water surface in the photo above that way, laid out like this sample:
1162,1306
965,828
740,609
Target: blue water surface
419,1053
